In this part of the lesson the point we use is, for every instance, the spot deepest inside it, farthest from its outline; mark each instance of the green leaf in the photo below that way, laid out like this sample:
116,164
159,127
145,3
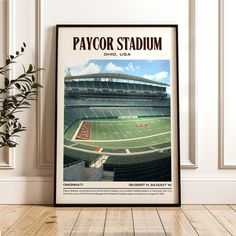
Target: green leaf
11,117
17,131
17,85
24,44
22,49
17,53
25,103
36,85
27,93
22,76
27,85
11,144
14,100
6,82
11,56
29,69
8,61
1,123
5,103
23,88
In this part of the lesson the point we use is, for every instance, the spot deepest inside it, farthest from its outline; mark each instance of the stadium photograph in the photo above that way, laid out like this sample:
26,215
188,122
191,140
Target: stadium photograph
117,121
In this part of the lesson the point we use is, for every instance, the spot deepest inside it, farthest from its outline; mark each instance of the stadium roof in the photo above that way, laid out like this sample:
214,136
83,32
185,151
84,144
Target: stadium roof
115,76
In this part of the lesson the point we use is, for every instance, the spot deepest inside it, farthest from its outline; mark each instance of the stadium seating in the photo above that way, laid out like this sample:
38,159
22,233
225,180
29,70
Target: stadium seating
156,170
68,161
83,113
115,88
89,158
119,161
73,101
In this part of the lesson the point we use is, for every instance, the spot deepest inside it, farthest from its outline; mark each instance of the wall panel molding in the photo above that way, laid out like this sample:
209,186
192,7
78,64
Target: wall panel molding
42,161
223,162
192,162
7,158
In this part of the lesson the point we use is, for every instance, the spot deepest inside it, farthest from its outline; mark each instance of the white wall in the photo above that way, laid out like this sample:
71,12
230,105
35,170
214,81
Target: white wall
207,129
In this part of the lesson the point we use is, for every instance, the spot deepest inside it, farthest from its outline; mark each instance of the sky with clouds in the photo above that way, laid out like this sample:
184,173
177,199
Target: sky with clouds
157,70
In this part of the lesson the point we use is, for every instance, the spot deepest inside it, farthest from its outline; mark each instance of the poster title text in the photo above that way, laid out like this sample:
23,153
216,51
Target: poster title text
121,43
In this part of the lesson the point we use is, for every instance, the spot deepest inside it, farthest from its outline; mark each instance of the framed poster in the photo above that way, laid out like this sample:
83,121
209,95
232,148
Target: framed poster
117,132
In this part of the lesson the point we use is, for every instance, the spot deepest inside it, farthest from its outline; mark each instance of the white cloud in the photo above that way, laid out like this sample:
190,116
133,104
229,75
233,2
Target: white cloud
131,67
158,76
76,62
88,68
113,68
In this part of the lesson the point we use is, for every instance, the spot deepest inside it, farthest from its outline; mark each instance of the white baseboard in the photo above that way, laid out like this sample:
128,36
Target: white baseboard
26,190
208,190
39,190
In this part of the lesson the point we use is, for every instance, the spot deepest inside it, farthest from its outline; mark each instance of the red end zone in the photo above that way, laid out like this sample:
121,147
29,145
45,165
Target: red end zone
84,131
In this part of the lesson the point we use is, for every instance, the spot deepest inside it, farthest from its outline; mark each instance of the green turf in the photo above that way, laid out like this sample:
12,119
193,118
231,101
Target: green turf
127,129
132,143
121,133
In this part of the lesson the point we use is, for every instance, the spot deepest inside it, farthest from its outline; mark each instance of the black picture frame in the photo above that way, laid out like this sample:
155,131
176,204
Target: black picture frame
70,187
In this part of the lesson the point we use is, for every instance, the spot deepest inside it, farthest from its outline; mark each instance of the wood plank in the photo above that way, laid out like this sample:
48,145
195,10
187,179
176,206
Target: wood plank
218,207
233,206
60,222
31,222
204,223
119,221
193,207
147,222
91,221
2,207
225,215
10,214
176,223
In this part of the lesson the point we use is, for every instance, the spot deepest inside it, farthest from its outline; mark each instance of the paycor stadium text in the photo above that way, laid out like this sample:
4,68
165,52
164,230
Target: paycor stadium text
121,43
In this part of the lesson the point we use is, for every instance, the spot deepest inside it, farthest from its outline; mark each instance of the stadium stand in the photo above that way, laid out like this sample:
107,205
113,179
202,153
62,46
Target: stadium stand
156,170
73,101
68,161
118,161
74,153
81,113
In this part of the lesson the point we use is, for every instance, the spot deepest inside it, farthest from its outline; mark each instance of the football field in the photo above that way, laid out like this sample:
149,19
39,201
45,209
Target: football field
121,133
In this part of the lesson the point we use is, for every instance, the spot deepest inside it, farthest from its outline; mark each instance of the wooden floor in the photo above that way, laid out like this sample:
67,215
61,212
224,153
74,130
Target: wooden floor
188,220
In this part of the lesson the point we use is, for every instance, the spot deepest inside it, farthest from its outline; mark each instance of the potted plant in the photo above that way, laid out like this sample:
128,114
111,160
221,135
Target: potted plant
16,95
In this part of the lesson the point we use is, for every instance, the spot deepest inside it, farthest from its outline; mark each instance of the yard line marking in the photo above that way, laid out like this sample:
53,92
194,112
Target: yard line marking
123,140
137,119
117,154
